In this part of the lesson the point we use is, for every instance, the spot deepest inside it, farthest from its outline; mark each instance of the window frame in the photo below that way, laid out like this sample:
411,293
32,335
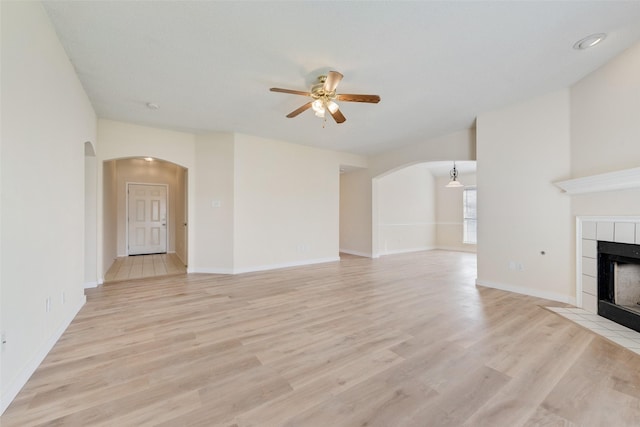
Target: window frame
467,219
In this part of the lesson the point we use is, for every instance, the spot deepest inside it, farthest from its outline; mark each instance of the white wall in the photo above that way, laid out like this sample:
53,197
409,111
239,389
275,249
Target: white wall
108,245
449,214
521,151
181,215
231,178
406,211
90,216
355,212
605,132
286,208
118,140
46,119
214,204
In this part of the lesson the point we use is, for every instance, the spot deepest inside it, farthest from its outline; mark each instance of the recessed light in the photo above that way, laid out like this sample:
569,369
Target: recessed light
589,41
152,106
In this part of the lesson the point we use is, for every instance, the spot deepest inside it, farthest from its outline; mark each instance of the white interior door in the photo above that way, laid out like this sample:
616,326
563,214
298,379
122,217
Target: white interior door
147,230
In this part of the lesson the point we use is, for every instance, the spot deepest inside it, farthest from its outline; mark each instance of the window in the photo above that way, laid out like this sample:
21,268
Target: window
469,203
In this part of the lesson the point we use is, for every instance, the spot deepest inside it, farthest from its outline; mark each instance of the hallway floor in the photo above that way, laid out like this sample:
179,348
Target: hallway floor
139,266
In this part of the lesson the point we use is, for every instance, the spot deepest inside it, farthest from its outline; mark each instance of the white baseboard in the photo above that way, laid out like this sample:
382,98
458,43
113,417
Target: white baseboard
457,249
404,251
89,285
285,265
16,385
357,253
210,270
216,270
528,291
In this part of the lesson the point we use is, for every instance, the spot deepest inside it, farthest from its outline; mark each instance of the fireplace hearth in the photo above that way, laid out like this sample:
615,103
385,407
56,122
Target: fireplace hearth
619,283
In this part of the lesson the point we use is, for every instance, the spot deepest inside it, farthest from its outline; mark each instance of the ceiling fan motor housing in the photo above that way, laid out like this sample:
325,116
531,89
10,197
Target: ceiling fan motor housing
318,92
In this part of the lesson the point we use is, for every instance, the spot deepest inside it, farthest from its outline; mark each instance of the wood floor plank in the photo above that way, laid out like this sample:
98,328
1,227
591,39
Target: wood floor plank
404,340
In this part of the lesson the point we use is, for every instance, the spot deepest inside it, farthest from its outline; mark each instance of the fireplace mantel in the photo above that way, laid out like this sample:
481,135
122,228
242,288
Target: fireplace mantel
611,181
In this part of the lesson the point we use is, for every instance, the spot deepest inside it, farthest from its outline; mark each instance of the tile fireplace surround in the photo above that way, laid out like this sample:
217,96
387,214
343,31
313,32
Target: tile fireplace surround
589,231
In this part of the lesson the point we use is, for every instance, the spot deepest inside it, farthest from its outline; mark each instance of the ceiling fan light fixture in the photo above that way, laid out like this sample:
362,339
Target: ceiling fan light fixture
332,106
318,106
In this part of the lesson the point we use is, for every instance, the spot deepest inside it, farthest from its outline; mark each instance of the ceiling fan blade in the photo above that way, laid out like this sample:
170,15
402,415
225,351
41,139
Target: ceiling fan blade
351,97
294,92
302,109
338,116
331,83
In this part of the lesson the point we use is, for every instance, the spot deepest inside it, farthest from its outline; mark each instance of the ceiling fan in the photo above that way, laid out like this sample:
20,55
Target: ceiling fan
324,96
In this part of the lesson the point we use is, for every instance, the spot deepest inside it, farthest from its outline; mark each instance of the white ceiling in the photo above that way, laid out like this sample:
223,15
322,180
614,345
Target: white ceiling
435,64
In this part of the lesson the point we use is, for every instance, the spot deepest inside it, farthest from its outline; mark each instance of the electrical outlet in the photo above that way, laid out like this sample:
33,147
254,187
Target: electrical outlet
516,266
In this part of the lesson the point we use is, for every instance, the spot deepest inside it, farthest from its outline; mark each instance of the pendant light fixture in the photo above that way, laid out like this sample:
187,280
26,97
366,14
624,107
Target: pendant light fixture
453,174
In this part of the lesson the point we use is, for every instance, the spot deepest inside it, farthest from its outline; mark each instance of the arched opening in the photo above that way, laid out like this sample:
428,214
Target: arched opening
125,216
412,209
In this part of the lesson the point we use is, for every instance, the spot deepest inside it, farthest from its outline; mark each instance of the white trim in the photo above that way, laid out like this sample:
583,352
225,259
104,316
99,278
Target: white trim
14,388
528,291
284,265
404,224
618,180
89,285
217,270
126,218
627,218
211,270
472,249
404,251
579,261
356,253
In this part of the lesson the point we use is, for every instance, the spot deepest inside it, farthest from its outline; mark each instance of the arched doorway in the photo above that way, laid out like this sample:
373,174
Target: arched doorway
118,175
413,209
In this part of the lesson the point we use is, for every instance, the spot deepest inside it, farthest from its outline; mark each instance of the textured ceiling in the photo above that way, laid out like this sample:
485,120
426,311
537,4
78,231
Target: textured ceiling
436,65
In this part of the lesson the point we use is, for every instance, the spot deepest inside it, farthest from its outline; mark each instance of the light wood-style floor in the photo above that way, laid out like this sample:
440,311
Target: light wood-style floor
404,340
139,266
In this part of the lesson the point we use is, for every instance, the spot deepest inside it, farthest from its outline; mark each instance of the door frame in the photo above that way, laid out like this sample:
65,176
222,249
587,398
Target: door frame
126,213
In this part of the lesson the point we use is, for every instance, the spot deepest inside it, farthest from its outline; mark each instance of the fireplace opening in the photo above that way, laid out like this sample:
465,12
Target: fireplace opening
619,283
